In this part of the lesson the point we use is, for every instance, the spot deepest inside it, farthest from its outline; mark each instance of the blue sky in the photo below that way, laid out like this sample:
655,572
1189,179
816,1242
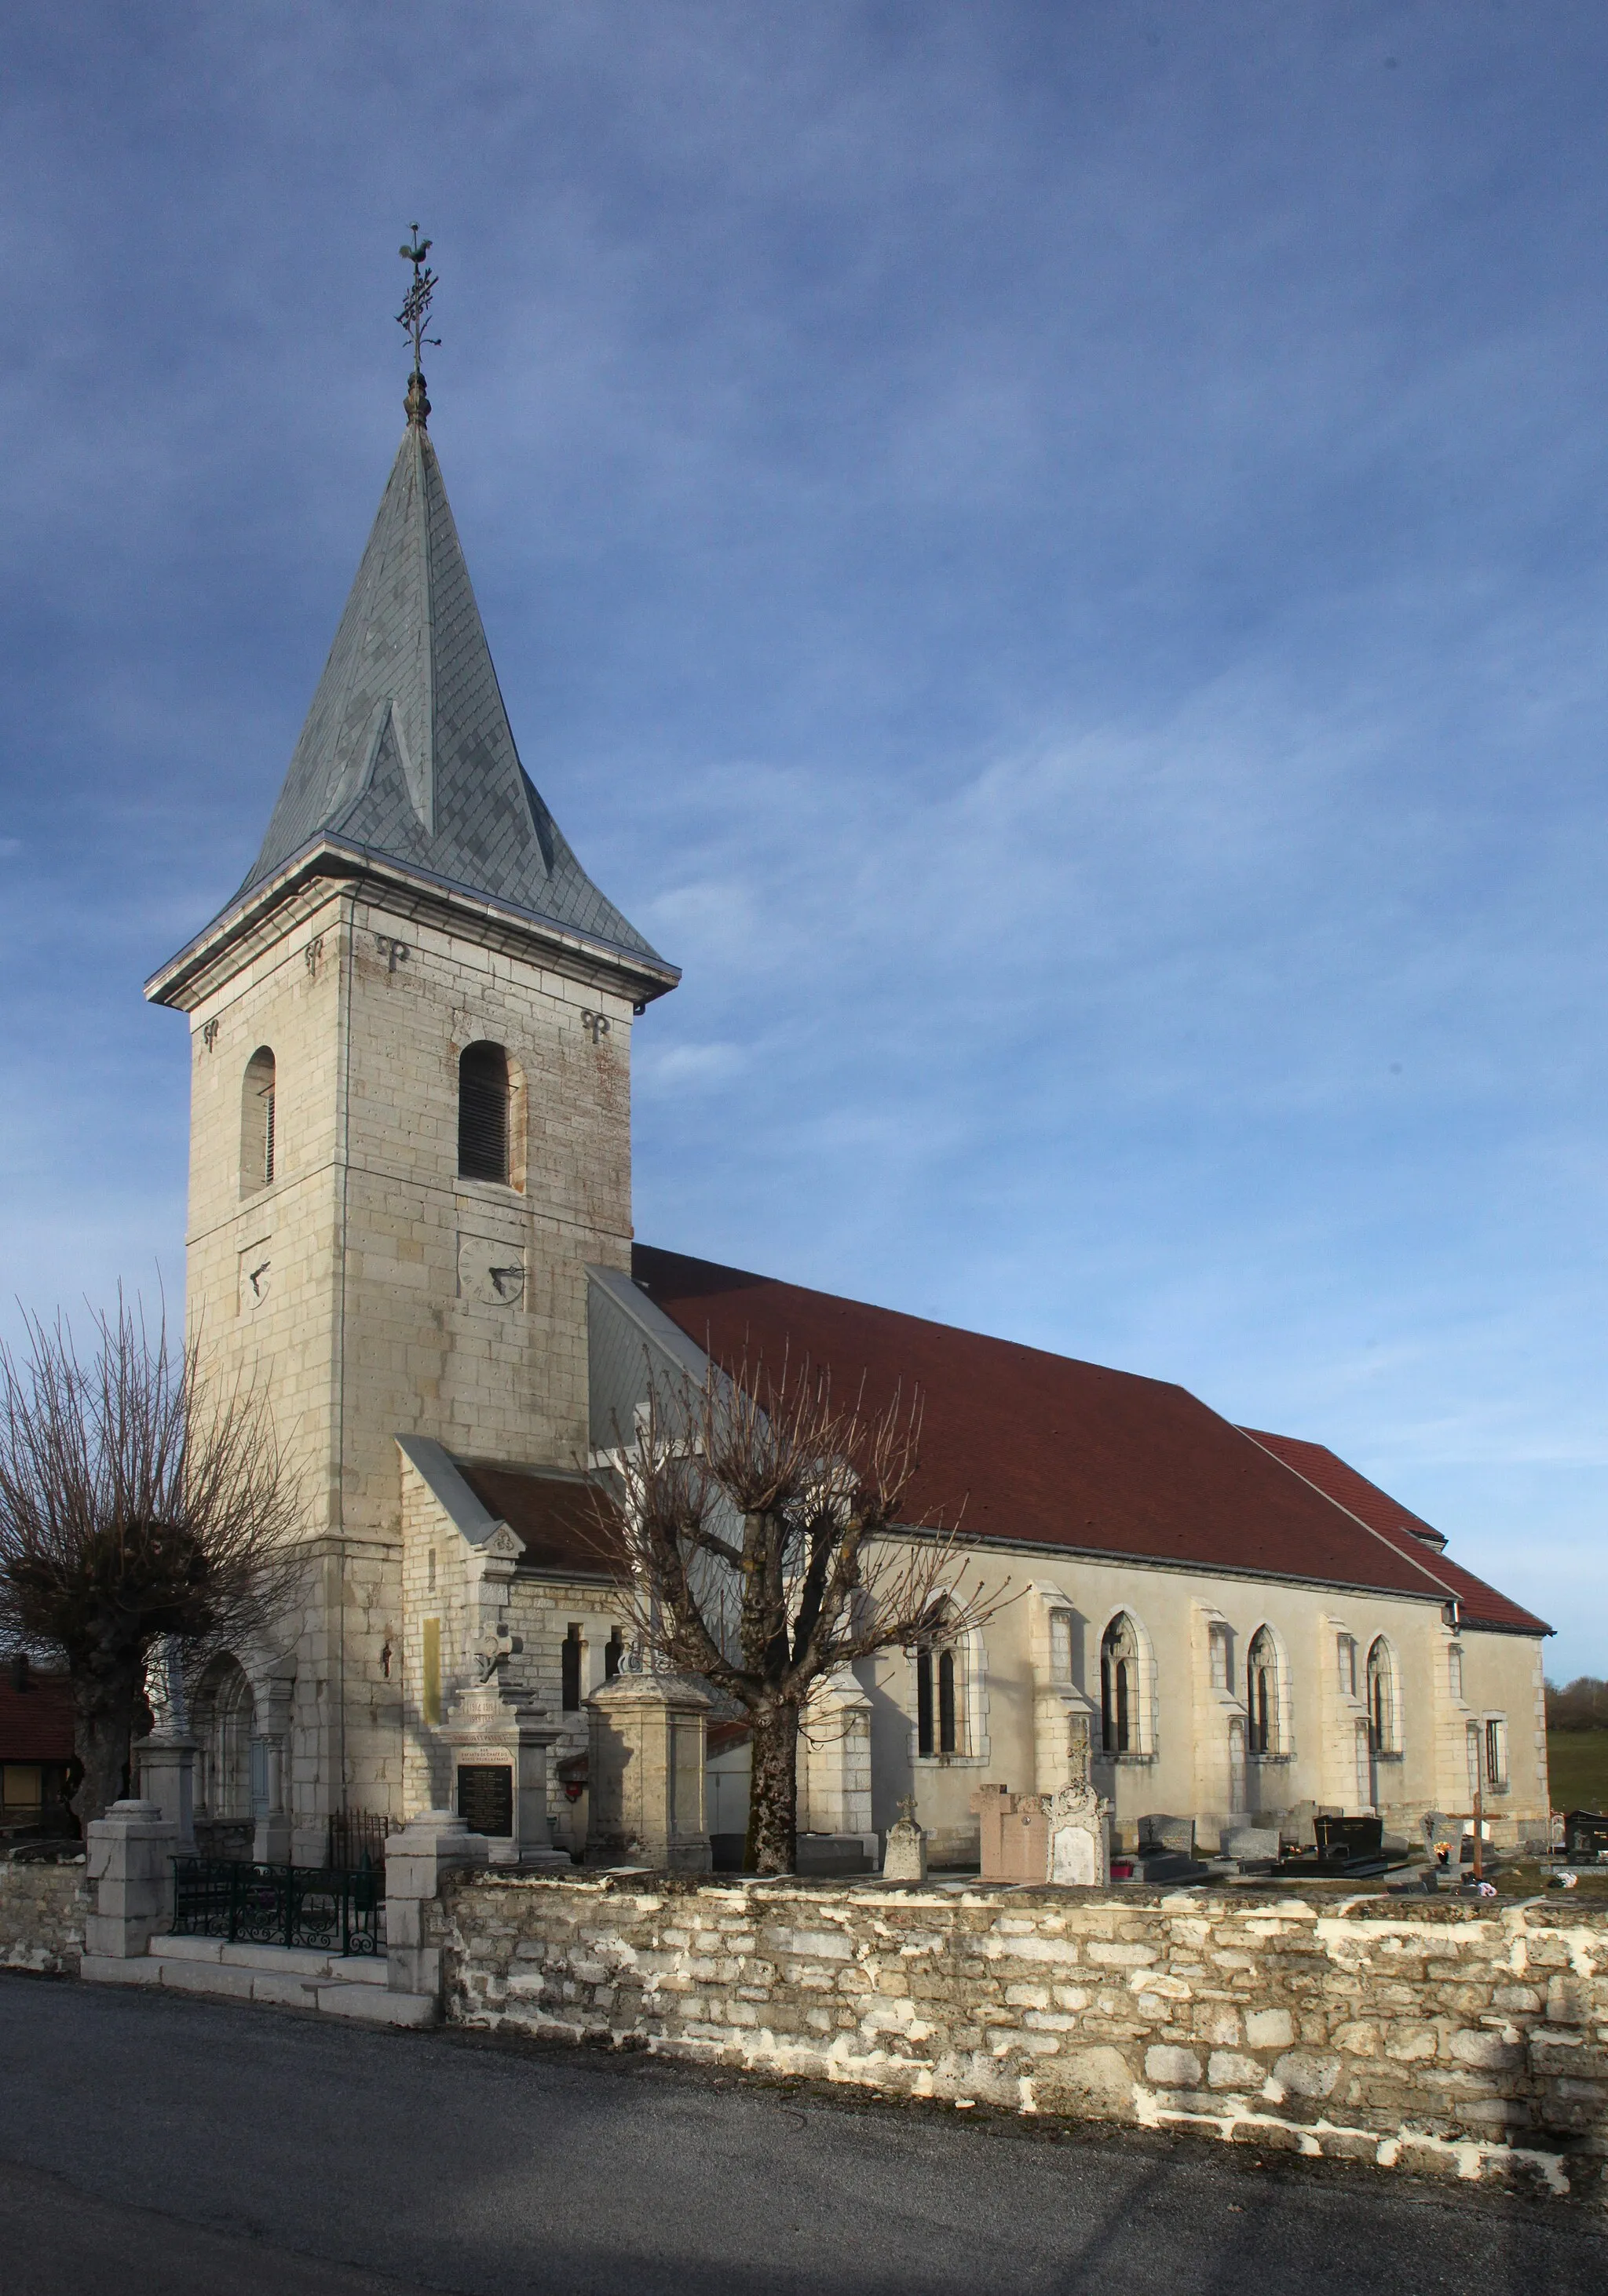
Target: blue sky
1054,557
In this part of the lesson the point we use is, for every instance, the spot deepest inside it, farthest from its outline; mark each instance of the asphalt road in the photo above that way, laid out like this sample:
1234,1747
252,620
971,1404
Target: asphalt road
153,2145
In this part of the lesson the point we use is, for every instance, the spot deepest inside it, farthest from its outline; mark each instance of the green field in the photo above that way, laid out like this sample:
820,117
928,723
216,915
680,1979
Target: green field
1578,1761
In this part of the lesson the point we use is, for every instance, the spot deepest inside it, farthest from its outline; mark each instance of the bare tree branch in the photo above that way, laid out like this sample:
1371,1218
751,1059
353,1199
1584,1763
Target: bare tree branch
138,1498
762,1534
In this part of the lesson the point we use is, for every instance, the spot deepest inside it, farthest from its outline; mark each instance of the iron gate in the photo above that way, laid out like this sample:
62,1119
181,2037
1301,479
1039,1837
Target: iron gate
332,1909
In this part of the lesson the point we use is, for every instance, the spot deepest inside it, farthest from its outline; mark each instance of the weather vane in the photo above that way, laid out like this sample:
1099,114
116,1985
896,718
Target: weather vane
413,318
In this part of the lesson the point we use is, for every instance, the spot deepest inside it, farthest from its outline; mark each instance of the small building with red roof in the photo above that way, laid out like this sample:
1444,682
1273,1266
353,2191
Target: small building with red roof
37,1769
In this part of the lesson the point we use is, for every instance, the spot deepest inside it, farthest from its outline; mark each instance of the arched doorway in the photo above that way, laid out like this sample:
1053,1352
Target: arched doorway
223,1718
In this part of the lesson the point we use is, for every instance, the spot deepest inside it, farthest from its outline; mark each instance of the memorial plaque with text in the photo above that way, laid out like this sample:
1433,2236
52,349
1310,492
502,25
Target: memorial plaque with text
485,1797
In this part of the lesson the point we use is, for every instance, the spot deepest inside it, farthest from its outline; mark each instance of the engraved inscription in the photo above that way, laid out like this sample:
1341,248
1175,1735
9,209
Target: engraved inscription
485,1797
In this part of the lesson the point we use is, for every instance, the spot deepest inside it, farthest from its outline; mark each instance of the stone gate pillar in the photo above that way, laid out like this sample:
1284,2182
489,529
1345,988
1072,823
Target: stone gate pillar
129,1866
429,1846
648,1739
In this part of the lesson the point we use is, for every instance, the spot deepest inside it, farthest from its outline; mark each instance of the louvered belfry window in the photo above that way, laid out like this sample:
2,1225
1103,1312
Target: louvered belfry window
257,1142
483,1113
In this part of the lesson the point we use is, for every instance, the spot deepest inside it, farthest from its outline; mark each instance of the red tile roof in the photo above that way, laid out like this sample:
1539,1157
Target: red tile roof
1482,1605
1044,1448
36,1724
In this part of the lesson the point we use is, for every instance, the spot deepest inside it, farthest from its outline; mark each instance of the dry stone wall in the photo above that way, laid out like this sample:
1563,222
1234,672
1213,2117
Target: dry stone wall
42,1911
1461,2040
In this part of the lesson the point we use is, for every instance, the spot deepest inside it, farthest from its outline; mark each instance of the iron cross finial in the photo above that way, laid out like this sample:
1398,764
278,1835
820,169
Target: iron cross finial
413,318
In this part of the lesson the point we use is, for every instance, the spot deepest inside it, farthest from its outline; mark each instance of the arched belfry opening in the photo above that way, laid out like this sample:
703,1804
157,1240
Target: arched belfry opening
259,1143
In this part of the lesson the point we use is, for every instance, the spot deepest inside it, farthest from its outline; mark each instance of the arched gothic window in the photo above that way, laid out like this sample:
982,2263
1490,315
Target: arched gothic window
1383,1715
257,1127
1119,1732
941,1688
483,1113
1262,1698
936,1711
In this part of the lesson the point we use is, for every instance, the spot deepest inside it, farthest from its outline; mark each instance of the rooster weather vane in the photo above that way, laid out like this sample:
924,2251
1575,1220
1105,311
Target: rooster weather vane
413,318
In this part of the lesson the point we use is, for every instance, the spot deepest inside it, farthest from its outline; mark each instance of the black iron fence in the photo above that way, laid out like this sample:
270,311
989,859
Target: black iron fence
332,1909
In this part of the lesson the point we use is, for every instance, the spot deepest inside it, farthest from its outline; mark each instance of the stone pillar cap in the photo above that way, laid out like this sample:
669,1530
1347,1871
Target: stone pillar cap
657,1689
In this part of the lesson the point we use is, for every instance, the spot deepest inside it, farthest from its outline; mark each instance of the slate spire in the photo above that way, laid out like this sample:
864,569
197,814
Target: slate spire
408,752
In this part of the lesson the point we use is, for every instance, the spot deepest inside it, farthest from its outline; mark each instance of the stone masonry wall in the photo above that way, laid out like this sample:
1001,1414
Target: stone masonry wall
42,1910
1444,2037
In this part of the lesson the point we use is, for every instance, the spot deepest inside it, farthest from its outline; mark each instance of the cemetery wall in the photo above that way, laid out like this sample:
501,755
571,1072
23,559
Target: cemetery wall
42,1911
1444,2037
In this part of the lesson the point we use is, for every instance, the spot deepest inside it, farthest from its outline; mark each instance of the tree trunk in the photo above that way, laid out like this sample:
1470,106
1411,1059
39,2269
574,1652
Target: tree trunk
103,1704
772,1793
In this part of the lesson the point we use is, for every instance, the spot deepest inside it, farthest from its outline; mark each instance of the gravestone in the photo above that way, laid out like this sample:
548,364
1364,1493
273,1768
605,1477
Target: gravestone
1062,1837
1299,1824
905,1856
1012,1834
1166,1868
1585,1836
1079,1822
1157,1831
1250,1842
1350,1837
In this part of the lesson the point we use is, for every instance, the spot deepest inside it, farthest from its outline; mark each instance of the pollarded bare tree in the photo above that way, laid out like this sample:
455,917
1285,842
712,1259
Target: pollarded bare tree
137,1500
759,1523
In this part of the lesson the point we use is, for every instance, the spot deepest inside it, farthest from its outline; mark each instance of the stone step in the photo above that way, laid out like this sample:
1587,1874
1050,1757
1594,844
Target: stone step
334,1986
286,1961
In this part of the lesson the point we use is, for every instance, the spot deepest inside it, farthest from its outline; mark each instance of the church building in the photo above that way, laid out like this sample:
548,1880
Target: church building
410,1221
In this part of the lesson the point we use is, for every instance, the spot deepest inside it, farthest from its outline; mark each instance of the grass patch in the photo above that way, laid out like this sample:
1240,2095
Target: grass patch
1577,1761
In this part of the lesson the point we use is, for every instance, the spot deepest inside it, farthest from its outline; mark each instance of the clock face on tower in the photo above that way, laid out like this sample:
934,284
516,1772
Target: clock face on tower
491,1272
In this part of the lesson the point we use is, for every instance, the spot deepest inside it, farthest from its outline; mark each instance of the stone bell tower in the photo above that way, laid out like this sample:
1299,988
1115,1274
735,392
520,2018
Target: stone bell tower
410,1127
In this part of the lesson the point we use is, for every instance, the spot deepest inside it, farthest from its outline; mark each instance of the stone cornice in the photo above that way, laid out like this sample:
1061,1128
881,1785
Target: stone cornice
264,913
